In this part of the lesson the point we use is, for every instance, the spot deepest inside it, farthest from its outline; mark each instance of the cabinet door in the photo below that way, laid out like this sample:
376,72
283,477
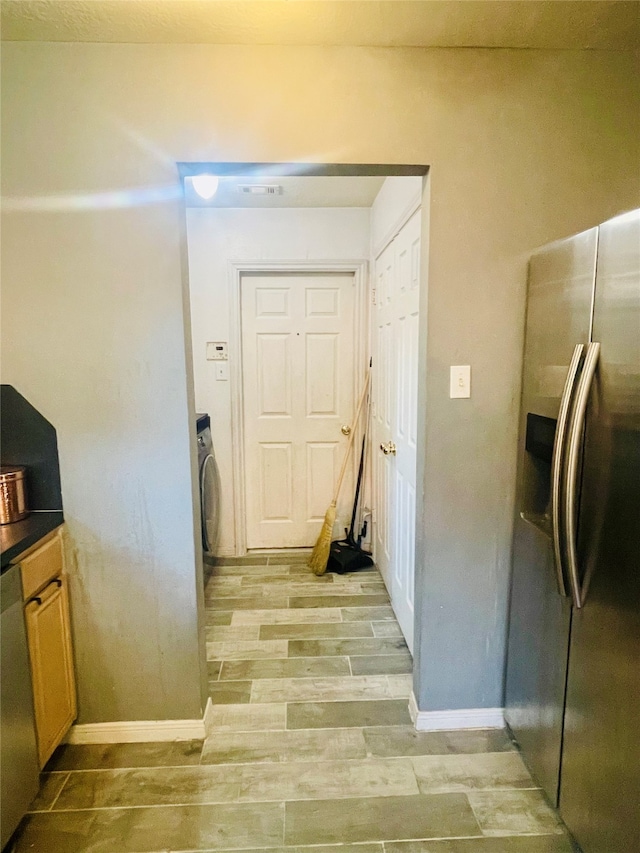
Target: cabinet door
54,692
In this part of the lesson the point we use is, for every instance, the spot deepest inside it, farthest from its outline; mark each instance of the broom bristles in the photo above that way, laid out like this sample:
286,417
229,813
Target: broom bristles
320,554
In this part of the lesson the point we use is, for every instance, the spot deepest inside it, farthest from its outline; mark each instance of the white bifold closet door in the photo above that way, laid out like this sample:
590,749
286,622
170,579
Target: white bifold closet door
298,389
397,286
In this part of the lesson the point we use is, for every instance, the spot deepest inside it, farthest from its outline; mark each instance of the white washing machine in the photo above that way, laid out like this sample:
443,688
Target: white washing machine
209,486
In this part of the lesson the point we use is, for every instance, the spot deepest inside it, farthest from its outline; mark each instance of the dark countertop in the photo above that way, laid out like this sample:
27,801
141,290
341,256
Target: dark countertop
17,537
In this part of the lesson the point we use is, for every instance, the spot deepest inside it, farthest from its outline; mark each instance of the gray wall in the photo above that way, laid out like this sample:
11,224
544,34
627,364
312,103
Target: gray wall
525,146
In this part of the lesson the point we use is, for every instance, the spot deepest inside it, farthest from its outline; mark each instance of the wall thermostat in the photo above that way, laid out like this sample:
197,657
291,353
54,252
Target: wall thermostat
217,351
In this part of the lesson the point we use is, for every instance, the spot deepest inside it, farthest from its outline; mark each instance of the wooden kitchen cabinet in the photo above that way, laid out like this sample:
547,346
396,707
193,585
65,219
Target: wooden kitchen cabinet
49,640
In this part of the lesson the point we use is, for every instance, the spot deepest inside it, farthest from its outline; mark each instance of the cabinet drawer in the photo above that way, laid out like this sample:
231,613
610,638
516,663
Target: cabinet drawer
41,566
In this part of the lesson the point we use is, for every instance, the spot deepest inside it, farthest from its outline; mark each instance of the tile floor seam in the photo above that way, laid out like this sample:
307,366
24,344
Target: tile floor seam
303,800
304,760
311,761
229,730
475,816
430,838
55,799
159,767
143,806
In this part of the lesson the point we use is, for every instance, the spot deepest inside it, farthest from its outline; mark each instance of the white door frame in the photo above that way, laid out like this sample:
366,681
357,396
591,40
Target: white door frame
236,269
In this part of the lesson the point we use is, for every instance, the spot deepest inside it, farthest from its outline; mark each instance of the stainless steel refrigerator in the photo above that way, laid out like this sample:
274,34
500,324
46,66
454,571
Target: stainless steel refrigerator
572,695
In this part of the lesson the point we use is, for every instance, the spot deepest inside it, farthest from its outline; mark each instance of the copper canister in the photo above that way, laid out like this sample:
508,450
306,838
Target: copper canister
13,494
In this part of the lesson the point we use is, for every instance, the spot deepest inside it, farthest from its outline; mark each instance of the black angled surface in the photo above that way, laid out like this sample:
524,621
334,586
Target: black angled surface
27,438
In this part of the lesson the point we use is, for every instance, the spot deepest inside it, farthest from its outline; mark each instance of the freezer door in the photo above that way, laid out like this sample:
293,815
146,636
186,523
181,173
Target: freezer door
537,662
559,306
600,788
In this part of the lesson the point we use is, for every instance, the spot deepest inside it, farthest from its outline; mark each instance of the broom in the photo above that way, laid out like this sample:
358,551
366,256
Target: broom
320,554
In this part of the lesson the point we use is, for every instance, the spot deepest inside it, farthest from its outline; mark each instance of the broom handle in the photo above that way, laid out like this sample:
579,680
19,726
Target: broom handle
352,436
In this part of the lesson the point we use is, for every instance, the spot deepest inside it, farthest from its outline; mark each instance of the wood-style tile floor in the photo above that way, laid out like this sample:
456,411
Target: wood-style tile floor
312,747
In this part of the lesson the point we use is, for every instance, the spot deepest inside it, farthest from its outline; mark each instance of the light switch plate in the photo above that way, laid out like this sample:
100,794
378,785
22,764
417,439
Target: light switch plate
222,371
459,381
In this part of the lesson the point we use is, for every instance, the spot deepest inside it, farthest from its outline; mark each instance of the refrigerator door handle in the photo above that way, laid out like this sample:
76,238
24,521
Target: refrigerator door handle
557,461
573,458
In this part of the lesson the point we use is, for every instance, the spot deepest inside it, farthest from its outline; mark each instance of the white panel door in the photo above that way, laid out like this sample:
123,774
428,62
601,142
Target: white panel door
397,282
298,384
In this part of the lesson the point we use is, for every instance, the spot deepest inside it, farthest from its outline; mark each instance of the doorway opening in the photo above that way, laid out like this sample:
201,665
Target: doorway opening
298,276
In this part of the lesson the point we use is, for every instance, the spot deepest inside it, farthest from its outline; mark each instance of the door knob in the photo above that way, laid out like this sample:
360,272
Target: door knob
388,449
345,429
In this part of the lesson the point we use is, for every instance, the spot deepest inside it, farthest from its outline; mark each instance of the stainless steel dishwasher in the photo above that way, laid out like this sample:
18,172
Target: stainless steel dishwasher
18,761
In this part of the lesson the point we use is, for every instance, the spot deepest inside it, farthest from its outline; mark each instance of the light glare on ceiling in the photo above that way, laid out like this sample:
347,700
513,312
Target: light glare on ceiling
205,185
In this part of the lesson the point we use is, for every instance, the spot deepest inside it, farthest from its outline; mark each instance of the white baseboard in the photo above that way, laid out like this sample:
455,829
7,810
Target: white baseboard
464,718
142,731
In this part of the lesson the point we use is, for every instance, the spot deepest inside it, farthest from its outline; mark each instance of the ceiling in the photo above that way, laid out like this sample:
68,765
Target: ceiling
296,192
561,24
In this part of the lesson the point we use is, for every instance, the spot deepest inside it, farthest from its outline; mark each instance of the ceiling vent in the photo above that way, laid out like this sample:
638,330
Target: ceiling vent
260,189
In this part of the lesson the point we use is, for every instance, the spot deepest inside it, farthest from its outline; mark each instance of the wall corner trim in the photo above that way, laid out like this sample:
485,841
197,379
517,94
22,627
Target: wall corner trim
463,718
142,731
414,204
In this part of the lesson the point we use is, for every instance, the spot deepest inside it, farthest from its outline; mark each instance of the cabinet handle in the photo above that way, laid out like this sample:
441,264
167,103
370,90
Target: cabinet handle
38,599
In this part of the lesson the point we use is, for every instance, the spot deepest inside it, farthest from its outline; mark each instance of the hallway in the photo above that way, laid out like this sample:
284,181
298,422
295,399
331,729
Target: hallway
312,745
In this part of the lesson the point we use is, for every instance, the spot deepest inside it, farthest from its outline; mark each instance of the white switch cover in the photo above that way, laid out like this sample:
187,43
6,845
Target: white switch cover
459,381
222,371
